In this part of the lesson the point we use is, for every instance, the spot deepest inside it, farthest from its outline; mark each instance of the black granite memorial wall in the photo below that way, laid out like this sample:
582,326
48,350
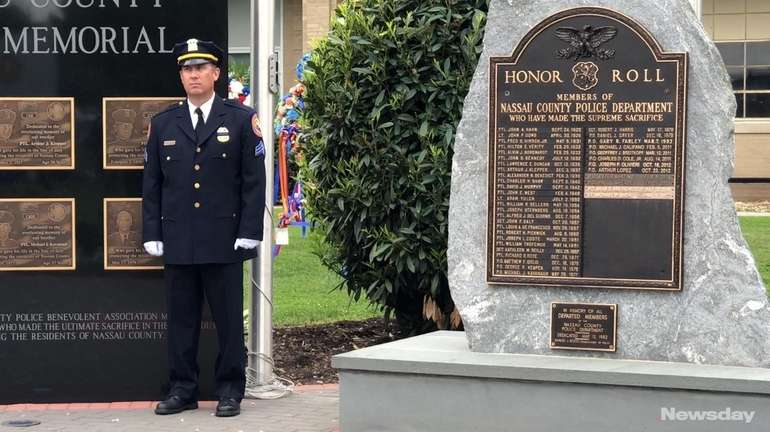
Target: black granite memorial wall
79,322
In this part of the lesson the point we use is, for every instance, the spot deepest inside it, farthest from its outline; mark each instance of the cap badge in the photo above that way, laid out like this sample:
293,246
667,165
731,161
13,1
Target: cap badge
192,45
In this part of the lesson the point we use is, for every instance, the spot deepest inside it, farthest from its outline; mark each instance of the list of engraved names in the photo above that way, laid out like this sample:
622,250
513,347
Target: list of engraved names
539,203
550,156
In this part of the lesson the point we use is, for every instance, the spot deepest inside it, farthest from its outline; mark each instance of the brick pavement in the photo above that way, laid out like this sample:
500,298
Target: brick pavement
309,409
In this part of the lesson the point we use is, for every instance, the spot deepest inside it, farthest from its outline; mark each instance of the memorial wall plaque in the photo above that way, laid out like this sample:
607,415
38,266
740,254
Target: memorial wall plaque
37,234
37,133
123,236
584,326
586,150
125,126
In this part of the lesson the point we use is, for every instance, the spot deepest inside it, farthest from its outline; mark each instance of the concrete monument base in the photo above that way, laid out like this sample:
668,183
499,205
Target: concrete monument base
435,383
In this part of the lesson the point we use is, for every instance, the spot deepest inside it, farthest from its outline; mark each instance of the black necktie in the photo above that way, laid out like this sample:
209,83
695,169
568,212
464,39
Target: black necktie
199,125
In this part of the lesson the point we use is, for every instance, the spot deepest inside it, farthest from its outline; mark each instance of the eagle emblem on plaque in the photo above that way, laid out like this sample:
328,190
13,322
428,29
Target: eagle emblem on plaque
585,43
584,75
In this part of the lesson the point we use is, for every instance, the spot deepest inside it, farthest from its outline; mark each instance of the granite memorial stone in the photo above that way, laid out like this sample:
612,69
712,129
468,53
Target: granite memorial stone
718,312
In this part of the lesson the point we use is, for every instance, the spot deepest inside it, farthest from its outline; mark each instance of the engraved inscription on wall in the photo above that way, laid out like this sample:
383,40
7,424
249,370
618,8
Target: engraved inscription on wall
35,327
586,134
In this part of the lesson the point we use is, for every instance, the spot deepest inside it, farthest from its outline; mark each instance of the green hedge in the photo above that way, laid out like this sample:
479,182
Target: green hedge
385,95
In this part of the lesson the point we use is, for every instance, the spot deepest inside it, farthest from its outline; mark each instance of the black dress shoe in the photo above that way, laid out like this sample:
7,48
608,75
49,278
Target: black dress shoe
174,405
228,407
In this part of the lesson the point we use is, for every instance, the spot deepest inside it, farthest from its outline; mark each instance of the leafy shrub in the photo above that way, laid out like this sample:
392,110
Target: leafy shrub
385,95
239,70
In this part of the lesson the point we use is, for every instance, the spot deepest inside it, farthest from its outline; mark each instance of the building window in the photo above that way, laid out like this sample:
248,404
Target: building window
748,63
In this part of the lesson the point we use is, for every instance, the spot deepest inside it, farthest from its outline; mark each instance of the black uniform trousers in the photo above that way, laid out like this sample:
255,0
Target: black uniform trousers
222,287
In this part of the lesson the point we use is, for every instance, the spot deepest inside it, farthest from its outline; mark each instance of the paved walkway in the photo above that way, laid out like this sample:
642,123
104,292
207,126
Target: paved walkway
309,409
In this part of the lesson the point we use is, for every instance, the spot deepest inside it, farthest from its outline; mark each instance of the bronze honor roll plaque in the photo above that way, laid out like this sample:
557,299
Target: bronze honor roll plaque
37,133
125,128
37,234
123,248
586,149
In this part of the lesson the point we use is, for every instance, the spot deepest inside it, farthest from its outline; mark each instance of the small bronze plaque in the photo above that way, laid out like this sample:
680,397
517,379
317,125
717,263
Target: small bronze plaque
37,234
584,326
37,133
586,156
123,236
125,127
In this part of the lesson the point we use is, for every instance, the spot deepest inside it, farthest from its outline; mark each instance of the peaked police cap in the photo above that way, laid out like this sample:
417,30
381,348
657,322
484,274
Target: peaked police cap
194,52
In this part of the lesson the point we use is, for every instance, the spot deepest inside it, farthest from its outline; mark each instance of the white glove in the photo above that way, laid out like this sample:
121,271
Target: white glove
154,248
245,244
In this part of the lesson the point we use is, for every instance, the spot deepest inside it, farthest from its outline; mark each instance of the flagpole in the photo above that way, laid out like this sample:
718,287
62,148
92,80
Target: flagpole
261,269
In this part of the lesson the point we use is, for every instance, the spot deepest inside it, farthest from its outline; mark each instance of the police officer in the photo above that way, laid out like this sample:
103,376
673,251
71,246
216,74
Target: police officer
203,205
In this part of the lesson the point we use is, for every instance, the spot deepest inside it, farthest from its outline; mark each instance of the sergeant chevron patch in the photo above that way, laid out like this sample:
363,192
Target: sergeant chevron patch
259,150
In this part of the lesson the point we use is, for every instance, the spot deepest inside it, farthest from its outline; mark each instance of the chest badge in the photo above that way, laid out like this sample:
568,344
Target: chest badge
223,135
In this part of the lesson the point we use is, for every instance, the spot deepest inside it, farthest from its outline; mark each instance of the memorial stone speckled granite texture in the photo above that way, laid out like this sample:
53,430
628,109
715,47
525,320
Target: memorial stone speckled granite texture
721,316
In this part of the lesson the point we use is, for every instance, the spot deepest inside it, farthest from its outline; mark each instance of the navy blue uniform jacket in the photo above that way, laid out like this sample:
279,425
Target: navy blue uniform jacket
199,195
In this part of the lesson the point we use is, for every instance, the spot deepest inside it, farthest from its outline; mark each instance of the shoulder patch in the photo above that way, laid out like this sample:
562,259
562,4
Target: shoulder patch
255,125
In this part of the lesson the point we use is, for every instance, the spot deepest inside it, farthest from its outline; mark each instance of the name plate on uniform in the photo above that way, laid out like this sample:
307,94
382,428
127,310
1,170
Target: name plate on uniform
586,150
125,127
37,133
584,326
123,248
37,234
